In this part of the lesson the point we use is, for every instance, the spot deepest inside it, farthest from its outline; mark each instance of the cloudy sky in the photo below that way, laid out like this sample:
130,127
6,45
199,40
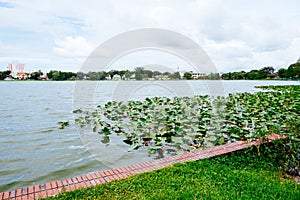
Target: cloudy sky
236,34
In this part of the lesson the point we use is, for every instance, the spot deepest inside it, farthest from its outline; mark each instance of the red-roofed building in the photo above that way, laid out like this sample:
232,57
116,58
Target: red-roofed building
22,75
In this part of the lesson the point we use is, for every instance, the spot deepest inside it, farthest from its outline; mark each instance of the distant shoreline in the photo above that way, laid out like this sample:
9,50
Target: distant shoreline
147,80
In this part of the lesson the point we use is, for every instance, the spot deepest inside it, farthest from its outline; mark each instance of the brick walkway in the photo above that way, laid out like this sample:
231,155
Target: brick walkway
56,187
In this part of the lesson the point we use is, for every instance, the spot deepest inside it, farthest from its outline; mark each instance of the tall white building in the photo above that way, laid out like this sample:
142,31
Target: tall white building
15,68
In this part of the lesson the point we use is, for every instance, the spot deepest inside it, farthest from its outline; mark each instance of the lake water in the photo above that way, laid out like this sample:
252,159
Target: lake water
34,150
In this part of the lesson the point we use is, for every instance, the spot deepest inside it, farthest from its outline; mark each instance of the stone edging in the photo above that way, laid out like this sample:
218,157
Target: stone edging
92,179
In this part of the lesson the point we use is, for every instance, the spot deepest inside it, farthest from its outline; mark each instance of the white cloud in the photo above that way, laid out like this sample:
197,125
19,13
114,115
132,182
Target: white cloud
280,58
230,49
162,15
73,47
229,54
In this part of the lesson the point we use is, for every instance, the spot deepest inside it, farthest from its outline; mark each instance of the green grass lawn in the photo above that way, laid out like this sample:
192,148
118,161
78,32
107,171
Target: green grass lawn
239,175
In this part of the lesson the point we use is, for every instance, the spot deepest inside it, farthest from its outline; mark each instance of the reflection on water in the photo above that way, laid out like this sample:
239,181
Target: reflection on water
32,148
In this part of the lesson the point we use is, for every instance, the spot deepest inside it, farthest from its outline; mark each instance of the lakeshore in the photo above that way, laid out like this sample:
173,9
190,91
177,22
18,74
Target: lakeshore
45,153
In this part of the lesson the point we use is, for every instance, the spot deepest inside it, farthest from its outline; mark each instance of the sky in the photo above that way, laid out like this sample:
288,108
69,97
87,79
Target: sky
236,35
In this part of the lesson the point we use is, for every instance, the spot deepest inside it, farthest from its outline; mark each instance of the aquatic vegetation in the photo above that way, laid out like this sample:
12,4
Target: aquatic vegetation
286,152
172,126
63,124
185,123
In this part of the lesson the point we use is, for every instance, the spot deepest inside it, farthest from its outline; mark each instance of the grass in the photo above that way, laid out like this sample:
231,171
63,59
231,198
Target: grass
239,175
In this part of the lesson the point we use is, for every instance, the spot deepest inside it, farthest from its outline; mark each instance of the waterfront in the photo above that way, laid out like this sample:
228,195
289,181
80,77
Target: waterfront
33,150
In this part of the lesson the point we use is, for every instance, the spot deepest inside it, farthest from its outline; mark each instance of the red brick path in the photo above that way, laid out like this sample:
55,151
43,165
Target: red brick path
56,187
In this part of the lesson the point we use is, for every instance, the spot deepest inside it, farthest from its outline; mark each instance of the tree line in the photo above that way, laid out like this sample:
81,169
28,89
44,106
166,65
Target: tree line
292,72
139,73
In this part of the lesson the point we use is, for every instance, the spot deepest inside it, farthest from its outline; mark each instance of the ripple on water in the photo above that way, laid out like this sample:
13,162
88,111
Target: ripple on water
63,172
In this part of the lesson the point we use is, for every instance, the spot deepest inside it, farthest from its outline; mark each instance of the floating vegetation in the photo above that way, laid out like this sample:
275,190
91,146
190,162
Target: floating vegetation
62,125
186,123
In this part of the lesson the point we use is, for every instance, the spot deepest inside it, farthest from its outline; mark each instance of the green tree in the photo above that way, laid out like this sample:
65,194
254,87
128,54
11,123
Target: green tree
156,73
282,73
139,73
293,71
35,75
148,73
238,75
128,74
50,74
61,76
111,73
166,73
175,75
227,76
102,75
69,75
268,70
122,73
187,75
58,76
80,75
4,74
252,75
261,74
93,76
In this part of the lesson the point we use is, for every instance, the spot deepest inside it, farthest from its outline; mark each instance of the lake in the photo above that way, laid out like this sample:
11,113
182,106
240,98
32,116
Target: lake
34,150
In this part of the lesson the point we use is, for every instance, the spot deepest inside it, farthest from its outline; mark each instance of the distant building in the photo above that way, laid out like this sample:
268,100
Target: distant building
16,68
272,76
197,75
116,77
181,73
43,78
21,76
160,77
132,77
8,79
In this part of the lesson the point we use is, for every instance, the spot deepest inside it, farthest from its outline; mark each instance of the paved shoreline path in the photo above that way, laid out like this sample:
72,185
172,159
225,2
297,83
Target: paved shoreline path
88,180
